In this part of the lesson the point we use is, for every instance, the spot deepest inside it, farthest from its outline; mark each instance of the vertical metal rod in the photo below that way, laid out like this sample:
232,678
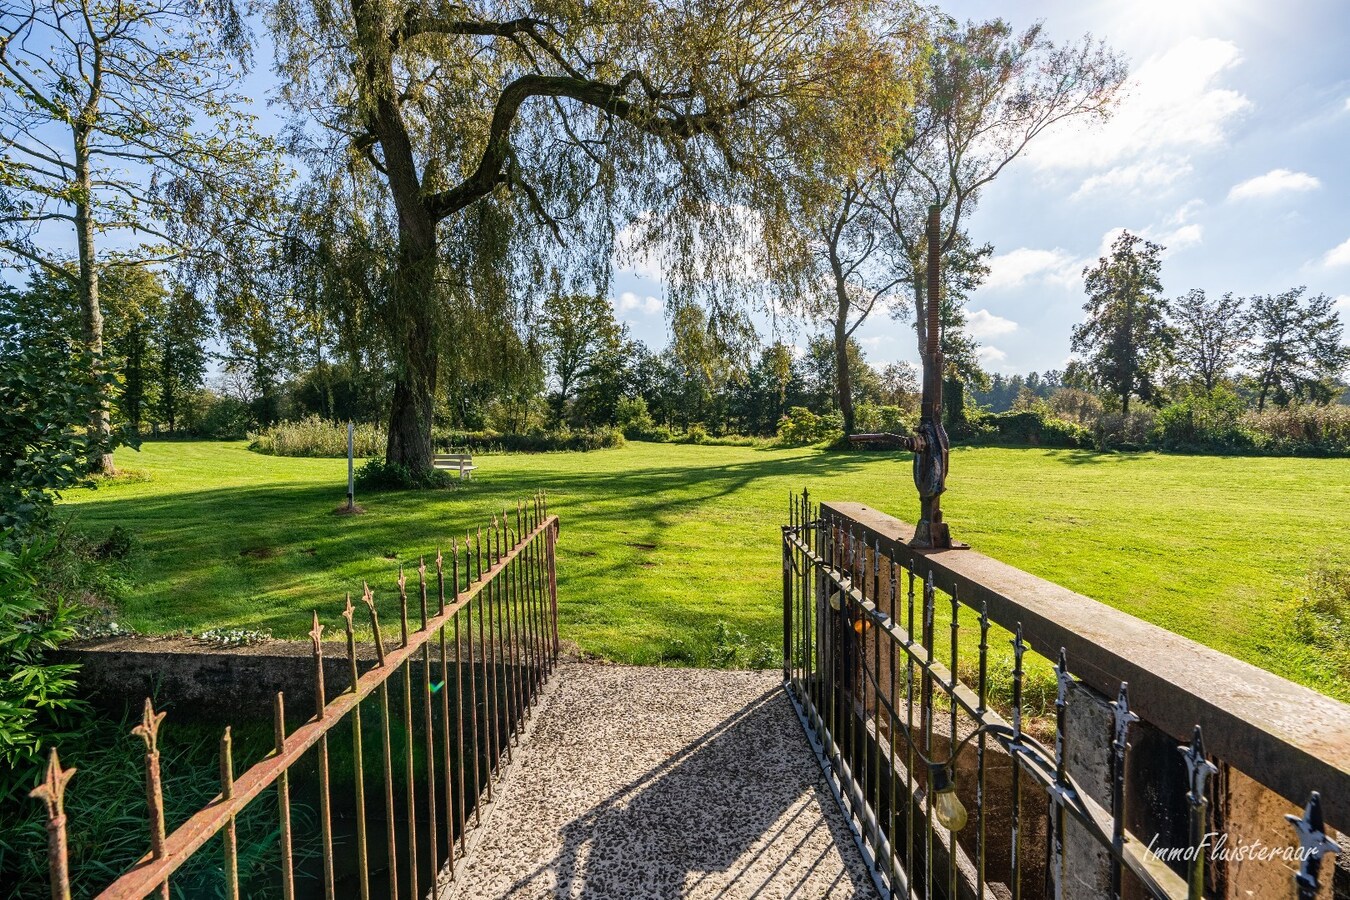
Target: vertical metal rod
513,633
490,661
283,799
1057,814
52,792
983,687
1015,750
358,758
952,732
445,718
478,741
325,808
230,836
390,822
433,841
875,746
1198,770
459,694
409,765
909,727
891,721
926,717
553,583
148,731
1122,718
502,721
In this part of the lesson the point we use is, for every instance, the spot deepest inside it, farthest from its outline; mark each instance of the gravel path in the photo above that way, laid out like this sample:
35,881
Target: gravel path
654,783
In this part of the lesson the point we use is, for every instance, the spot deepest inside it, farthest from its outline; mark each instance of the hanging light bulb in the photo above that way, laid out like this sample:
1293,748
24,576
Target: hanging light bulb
948,808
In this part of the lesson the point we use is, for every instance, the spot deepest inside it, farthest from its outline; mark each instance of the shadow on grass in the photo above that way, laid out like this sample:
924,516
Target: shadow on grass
253,556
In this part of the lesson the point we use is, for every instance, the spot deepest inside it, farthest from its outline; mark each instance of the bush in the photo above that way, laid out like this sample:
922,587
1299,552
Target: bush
1210,421
1300,430
219,417
696,434
46,392
534,442
1036,427
313,436
1133,432
801,426
872,417
378,475
1076,405
633,418
37,702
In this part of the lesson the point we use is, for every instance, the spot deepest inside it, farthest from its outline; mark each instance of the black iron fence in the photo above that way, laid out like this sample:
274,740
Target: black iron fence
484,638
971,766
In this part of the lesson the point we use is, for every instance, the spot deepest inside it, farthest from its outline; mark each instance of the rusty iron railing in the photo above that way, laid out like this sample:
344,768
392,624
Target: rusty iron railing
492,633
906,722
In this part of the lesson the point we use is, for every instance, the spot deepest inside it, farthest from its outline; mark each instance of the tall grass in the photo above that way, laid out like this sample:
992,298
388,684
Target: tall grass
314,436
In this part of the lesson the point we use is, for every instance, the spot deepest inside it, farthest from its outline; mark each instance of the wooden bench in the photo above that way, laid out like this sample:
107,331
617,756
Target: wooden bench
455,462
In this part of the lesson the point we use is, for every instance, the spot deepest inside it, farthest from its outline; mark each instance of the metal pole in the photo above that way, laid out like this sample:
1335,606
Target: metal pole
351,478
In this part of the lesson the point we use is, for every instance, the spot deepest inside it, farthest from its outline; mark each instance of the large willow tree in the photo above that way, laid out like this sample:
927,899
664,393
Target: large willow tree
518,143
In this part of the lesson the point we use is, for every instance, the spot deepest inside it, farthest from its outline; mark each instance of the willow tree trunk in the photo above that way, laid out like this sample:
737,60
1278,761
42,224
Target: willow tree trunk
412,324
100,425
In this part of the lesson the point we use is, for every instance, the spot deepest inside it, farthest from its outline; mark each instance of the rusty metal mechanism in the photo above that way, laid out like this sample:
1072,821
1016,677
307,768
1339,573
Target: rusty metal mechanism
509,587
929,444
895,712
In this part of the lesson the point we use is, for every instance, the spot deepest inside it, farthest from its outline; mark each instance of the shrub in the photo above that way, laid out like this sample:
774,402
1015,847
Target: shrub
801,426
1076,405
633,418
378,475
1203,422
1133,432
534,442
46,392
696,434
1037,427
313,436
37,702
220,417
1305,429
872,417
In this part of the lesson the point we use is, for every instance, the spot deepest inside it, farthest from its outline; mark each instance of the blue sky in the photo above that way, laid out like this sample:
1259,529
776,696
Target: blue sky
1230,149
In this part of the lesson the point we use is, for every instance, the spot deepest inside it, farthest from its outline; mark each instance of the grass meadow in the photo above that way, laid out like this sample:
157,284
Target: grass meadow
664,546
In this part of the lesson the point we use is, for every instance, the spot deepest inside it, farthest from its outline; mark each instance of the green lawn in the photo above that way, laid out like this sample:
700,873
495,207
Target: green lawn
662,542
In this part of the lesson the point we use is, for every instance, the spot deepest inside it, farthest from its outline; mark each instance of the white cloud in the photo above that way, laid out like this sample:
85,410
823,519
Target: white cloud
1276,181
875,341
983,324
1175,233
1148,173
1338,255
1347,104
991,356
1017,267
1174,104
629,302
1342,305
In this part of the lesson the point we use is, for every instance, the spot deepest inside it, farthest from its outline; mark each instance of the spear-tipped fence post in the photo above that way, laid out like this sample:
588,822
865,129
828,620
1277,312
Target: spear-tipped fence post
52,793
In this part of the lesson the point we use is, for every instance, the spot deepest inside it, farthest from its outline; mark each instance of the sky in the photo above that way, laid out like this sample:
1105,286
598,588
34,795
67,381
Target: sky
1231,148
